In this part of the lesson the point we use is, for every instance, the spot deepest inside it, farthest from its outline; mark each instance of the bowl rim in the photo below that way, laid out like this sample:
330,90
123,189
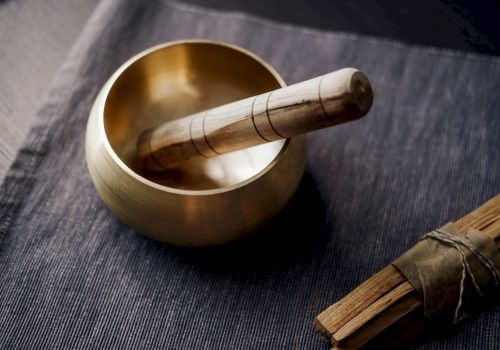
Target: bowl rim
103,95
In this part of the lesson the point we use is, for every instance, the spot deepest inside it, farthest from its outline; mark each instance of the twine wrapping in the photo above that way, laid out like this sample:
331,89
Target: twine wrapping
451,271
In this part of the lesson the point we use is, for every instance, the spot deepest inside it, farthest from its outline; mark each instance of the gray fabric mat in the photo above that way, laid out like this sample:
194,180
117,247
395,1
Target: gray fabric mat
73,276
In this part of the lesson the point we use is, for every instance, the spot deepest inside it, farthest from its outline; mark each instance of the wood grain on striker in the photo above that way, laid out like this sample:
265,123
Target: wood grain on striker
328,100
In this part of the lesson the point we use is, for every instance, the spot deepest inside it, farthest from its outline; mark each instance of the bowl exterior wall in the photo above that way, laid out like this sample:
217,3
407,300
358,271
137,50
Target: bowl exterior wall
190,218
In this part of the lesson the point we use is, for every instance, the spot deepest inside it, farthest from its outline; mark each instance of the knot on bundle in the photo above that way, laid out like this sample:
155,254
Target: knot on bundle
451,271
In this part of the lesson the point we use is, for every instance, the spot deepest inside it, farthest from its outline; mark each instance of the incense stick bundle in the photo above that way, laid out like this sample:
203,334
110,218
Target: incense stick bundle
387,299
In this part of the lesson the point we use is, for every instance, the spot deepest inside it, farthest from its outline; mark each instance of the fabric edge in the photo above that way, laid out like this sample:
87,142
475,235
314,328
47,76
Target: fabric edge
327,33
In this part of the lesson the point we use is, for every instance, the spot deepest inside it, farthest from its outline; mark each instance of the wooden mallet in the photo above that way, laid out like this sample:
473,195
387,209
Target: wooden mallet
321,102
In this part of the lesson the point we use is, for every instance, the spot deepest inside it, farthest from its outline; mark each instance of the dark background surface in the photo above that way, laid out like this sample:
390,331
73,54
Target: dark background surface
460,24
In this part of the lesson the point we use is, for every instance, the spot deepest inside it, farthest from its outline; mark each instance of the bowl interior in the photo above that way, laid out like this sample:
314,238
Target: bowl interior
178,80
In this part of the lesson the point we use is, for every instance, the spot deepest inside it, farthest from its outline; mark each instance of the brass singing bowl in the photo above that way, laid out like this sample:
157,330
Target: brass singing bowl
207,203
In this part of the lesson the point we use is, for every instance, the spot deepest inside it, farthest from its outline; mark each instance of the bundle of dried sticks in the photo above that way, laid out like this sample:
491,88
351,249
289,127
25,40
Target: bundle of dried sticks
387,301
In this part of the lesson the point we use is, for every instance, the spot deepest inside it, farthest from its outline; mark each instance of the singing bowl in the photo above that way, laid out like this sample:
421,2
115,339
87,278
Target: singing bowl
205,203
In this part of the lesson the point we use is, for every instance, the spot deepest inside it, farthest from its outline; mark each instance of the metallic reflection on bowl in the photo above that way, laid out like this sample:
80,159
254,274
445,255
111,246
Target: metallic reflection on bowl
204,203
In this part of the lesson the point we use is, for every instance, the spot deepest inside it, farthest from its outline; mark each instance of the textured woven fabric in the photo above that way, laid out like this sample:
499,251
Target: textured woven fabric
73,276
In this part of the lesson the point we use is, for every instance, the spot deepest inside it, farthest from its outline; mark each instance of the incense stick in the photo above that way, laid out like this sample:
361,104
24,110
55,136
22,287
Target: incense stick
386,298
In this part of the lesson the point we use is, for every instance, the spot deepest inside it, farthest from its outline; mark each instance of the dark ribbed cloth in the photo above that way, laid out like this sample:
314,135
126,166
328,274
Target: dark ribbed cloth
73,276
